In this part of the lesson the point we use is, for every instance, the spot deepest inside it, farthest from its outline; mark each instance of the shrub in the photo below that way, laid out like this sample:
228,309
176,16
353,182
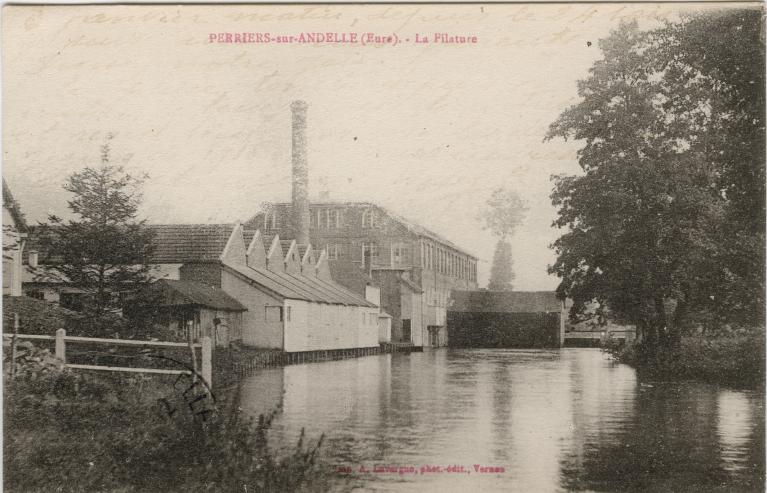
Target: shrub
735,359
68,431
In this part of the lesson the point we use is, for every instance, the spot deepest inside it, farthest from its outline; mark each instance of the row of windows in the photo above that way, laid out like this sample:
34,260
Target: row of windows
324,219
369,249
446,262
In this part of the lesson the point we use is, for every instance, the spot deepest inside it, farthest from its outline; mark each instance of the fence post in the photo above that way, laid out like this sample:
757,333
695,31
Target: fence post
207,363
13,343
60,347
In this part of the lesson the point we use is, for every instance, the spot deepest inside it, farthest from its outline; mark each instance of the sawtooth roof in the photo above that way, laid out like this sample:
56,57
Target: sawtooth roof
505,301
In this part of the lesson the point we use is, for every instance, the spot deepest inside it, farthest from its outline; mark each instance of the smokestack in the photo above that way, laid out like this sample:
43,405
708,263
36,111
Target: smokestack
300,209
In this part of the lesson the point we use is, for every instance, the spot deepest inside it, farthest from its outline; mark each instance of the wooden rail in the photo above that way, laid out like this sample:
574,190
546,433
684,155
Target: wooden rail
596,334
61,339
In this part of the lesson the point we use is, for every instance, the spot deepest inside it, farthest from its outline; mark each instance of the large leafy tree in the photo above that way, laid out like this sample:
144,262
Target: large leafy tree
504,213
104,251
667,219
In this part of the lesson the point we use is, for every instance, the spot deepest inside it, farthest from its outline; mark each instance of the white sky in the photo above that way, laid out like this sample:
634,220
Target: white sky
427,131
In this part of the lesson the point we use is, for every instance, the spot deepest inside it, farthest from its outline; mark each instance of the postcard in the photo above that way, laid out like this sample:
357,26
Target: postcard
384,247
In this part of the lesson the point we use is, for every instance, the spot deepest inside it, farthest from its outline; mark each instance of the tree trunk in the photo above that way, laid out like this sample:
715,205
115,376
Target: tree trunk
660,320
675,331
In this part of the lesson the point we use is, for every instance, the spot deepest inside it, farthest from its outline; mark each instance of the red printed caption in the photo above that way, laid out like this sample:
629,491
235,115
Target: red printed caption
424,469
362,38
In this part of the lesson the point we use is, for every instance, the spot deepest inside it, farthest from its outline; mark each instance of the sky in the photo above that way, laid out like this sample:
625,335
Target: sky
427,130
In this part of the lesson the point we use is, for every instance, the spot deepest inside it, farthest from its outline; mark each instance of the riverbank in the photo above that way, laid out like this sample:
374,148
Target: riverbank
736,360
67,431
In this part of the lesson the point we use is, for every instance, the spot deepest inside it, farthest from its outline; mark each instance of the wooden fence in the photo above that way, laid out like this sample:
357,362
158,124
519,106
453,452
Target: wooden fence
61,339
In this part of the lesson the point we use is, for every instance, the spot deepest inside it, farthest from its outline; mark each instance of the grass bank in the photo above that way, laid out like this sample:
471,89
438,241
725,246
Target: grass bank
67,431
733,359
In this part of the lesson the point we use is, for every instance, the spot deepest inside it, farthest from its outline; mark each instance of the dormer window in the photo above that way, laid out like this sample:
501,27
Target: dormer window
369,218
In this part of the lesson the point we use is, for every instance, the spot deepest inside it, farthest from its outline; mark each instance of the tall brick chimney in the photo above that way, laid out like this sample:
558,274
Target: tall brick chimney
300,209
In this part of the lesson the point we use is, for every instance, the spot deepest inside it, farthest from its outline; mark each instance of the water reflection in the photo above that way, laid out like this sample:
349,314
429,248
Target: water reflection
554,420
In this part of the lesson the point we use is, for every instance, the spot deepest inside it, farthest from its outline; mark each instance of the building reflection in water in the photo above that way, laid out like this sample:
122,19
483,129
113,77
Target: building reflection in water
738,422
554,420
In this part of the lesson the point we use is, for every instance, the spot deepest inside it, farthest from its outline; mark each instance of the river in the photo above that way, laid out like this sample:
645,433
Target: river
537,421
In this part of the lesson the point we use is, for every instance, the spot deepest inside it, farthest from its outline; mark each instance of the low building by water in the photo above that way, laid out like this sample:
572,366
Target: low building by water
292,302
506,319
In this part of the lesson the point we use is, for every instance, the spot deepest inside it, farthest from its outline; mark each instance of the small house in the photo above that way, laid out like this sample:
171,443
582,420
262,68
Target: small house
193,310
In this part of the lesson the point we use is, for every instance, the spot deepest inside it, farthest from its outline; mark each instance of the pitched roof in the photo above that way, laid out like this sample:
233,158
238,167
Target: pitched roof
421,231
505,301
181,243
197,293
408,224
300,287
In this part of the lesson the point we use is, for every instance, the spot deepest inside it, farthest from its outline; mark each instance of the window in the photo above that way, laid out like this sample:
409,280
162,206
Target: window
431,256
270,220
314,219
38,295
332,250
368,219
272,313
288,314
369,249
326,219
398,253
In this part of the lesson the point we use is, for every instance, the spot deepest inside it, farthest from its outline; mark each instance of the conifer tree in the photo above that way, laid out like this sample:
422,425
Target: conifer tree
104,251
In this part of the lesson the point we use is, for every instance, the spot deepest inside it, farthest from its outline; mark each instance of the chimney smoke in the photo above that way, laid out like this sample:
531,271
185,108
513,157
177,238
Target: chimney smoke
300,209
